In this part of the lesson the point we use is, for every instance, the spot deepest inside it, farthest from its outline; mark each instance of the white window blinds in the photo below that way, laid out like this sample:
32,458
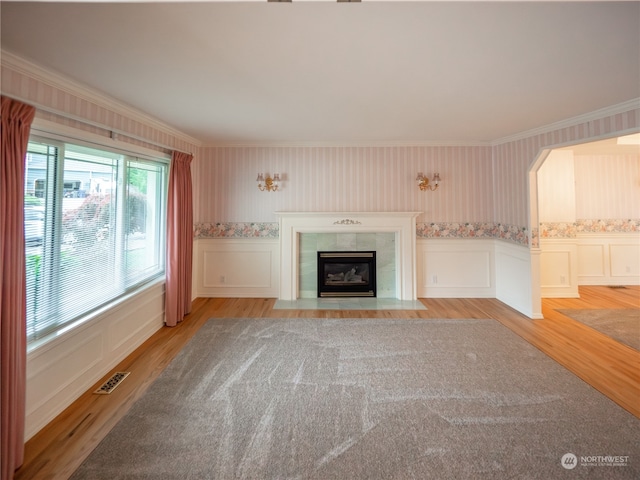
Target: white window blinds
94,229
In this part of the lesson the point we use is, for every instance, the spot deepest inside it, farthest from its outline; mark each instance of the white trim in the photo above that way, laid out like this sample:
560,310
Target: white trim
559,268
63,369
61,82
350,144
53,130
456,268
572,122
623,107
403,224
513,277
220,266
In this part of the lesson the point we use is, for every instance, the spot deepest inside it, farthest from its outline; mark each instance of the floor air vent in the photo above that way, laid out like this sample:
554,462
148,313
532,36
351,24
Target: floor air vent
617,286
115,380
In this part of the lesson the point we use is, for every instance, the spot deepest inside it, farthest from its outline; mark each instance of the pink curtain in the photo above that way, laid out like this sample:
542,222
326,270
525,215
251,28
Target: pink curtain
16,124
179,240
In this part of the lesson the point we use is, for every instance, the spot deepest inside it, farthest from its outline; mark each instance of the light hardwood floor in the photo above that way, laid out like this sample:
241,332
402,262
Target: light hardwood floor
610,367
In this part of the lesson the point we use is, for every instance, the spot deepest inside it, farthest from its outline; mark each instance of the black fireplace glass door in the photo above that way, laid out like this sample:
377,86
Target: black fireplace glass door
346,274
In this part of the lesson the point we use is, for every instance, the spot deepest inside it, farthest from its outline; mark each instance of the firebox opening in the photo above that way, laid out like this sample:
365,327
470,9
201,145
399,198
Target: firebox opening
347,274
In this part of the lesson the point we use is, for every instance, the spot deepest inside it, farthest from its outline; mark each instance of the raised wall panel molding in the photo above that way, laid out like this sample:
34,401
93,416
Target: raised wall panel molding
97,345
513,277
462,268
559,268
240,268
608,259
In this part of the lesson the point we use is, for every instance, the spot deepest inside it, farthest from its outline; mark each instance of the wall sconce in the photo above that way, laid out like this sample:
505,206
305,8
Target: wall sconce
423,182
270,184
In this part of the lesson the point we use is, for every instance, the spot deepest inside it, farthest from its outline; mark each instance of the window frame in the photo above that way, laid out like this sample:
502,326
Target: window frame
43,131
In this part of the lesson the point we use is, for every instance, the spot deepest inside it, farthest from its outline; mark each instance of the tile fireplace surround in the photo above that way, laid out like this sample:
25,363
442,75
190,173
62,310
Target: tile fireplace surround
402,224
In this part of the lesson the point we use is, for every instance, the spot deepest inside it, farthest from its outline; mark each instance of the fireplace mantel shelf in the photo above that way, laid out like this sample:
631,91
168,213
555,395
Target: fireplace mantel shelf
403,224
348,214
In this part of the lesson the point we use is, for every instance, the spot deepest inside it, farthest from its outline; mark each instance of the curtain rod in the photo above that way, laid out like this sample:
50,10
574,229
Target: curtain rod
112,131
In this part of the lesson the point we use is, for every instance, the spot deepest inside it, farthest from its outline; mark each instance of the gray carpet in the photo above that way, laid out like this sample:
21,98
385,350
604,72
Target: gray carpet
365,399
622,325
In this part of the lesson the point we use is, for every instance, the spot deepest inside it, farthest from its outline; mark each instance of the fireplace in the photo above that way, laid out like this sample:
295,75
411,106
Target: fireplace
346,274
401,224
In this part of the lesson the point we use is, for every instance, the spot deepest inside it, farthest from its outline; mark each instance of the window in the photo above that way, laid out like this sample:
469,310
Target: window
94,229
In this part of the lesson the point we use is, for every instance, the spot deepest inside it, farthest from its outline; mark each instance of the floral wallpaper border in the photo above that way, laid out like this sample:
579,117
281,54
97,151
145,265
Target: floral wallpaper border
571,229
484,230
613,225
558,230
236,230
510,233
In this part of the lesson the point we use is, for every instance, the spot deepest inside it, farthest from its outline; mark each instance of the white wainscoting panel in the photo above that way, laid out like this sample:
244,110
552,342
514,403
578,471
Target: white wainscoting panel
513,277
62,368
625,260
236,268
462,268
591,262
612,259
559,268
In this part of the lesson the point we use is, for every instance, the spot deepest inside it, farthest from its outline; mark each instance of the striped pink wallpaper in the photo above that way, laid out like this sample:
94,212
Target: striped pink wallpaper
479,184
607,186
343,179
43,94
512,160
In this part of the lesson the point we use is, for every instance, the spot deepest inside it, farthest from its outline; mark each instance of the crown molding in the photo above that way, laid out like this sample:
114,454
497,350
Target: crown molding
346,144
572,122
59,81
56,80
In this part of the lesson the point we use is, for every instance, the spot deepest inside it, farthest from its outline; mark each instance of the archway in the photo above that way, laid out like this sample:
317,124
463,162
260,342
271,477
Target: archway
561,264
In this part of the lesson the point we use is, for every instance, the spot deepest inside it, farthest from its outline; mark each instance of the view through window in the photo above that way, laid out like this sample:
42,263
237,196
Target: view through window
94,229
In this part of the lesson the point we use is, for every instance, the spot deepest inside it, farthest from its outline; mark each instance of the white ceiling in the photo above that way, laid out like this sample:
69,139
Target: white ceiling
339,73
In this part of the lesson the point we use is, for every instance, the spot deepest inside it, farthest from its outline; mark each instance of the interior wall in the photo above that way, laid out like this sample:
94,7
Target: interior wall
589,215
479,184
607,186
557,188
588,193
516,162
512,160
97,114
62,369
343,179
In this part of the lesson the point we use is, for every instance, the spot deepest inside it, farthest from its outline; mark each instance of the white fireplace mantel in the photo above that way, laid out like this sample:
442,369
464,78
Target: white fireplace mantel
403,224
